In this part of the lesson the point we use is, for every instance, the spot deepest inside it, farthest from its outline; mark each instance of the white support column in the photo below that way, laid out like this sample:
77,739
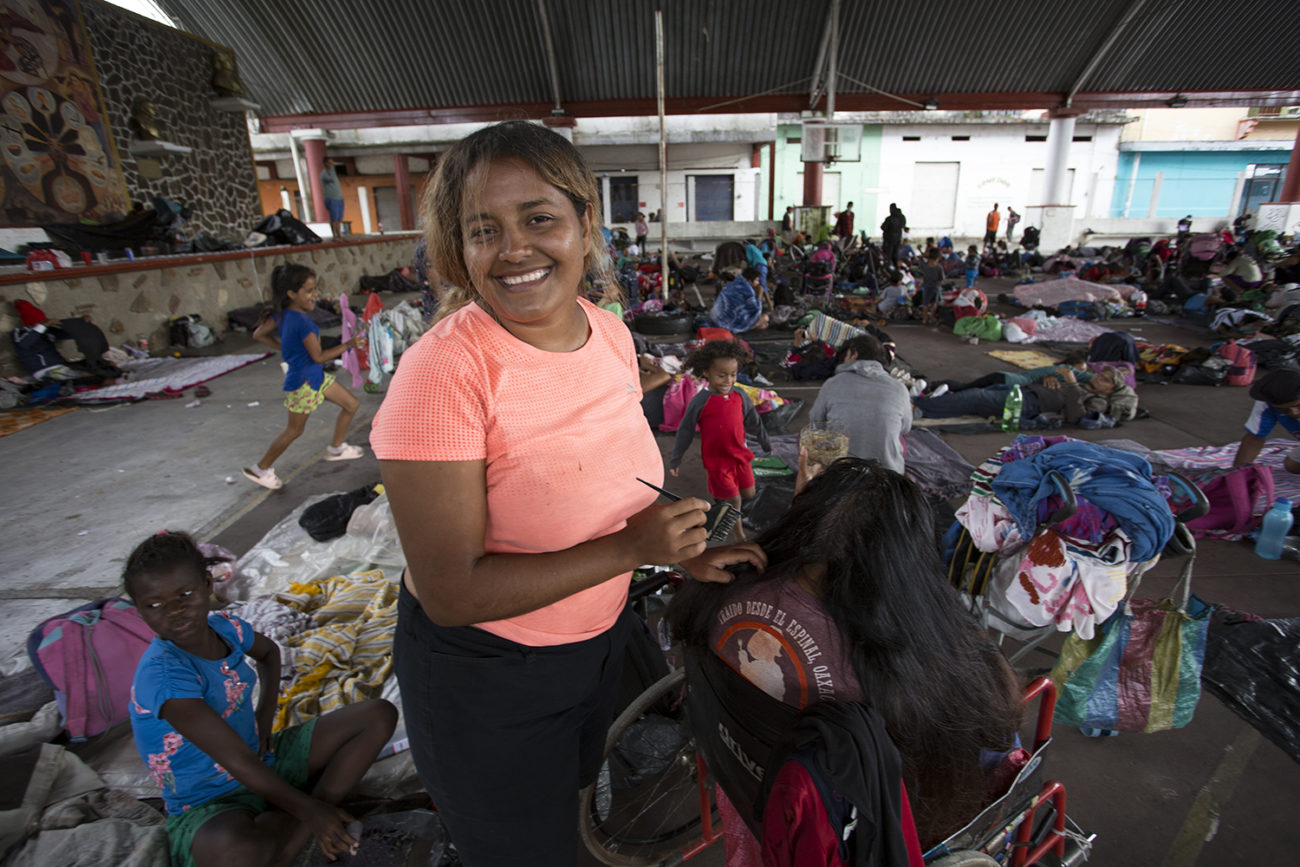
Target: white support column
1058,212
1059,136
363,196
304,189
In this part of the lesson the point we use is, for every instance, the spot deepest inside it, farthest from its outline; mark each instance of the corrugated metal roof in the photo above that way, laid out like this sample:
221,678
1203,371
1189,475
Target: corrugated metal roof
312,57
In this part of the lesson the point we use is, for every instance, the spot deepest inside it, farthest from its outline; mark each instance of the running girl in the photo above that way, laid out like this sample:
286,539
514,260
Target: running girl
722,412
214,757
306,383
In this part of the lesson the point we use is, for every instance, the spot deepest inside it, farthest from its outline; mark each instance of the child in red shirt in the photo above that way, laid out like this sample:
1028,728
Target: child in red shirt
722,413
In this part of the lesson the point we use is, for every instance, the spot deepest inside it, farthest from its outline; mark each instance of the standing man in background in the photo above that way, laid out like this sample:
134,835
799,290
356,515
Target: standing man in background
991,223
1012,218
332,192
844,223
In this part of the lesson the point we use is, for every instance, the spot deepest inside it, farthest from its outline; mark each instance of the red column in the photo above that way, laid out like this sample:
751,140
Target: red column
402,175
1291,183
812,183
314,148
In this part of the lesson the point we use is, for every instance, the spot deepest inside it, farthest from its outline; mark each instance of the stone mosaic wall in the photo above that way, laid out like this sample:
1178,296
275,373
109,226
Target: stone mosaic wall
135,58
128,304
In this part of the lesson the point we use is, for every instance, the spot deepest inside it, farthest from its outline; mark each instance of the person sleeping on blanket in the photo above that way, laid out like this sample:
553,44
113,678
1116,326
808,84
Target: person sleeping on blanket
1050,376
1104,393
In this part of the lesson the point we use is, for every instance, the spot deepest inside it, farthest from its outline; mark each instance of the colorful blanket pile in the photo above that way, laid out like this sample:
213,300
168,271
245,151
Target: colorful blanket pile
348,653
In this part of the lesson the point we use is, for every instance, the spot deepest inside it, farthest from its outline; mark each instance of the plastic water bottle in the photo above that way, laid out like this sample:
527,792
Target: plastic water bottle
1011,410
1272,535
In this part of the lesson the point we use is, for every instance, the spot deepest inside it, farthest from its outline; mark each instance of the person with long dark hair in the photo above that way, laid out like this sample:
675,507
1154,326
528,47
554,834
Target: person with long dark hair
853,606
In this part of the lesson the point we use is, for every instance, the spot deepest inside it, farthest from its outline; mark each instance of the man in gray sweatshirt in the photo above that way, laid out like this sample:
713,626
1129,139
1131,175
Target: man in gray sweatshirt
873,407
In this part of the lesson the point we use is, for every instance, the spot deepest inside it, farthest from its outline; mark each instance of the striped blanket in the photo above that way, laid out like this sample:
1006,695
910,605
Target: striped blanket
347,653
833,331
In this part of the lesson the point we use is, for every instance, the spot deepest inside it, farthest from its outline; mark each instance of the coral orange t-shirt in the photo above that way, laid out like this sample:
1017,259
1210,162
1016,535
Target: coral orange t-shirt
562,436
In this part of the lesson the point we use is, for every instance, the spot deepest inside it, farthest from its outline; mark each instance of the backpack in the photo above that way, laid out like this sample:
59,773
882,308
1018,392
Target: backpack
88,656
1114,346
1238,500
190,331
677,398
1242,371
1205,246
35,350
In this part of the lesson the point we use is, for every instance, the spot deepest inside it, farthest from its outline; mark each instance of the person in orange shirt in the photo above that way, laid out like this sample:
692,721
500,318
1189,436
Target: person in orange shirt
510,442
991,223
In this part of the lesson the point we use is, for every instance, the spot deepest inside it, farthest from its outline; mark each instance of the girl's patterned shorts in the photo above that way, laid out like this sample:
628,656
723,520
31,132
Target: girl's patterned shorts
307,399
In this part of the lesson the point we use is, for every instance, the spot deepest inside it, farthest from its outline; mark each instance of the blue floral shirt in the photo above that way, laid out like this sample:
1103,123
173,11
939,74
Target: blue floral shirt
186,775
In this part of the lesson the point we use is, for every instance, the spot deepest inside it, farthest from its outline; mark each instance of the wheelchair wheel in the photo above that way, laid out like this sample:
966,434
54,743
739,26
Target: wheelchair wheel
644,806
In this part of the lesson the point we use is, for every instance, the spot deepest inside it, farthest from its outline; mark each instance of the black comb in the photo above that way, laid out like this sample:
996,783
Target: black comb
720,521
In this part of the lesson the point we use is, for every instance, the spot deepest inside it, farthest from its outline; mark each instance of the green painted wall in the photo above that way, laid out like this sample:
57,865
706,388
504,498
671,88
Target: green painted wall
858,181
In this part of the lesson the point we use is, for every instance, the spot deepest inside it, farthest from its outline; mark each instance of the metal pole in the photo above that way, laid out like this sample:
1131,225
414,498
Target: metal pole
833,62
663,156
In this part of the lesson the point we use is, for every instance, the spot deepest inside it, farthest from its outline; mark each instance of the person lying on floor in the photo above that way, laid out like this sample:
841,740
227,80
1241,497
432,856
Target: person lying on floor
871,406
1104,393
1051,376
853,564
1277,402
220,767
738,306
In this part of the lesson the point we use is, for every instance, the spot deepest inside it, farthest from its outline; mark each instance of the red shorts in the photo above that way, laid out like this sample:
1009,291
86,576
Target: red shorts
729,479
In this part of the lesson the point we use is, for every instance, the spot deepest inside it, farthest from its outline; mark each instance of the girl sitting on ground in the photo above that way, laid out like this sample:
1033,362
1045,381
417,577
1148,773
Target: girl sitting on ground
854,562
723,413
215,758
306,384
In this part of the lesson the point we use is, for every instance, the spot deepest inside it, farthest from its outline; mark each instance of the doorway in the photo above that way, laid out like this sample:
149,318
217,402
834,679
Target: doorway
714,197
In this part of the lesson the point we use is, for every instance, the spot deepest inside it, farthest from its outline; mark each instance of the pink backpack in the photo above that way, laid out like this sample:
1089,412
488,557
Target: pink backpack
1238,499
676,399
1205,246
88,655
1242,371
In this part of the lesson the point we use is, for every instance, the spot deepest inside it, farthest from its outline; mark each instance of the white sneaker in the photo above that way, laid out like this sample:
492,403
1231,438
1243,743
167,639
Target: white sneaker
266,478
762,380
940,390
344,452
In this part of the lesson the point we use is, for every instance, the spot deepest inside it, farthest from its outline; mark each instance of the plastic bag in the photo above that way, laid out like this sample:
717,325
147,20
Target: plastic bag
1141,673
328,518
1254,668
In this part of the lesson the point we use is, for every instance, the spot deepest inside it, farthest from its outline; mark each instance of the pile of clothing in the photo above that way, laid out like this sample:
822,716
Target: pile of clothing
1073,574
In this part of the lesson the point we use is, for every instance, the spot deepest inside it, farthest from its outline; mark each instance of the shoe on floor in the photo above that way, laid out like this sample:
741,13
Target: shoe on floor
266,478
344,452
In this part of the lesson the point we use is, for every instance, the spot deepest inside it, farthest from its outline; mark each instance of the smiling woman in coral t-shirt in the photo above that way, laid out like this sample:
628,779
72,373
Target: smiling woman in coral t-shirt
510,443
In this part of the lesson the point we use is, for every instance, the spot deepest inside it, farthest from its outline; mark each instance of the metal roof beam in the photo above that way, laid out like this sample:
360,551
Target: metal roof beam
818,79
1118,30
550,56
792,103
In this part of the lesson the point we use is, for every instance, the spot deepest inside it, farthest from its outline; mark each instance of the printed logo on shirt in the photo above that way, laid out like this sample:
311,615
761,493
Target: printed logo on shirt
775,652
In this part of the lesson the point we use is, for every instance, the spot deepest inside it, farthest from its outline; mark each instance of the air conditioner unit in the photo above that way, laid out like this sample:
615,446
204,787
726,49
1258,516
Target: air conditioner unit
831,142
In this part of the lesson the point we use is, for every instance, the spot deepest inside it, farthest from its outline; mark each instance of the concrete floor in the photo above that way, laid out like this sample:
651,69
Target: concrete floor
85,487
